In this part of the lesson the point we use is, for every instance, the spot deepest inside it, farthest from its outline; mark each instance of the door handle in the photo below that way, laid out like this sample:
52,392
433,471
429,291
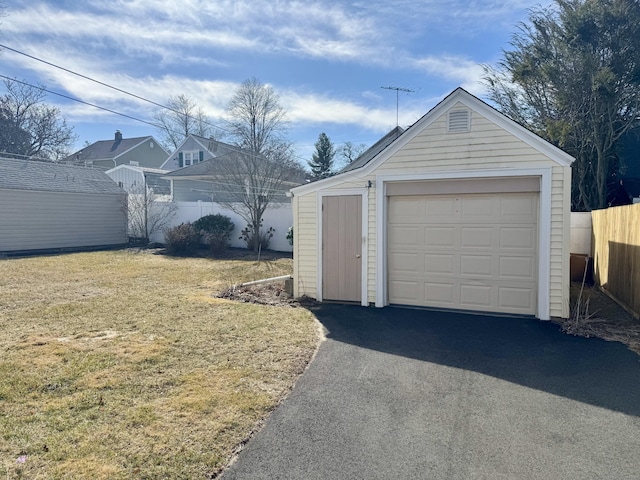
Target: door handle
357,256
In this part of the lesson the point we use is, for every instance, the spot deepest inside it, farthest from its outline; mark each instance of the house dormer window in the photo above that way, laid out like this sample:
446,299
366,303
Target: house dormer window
190,157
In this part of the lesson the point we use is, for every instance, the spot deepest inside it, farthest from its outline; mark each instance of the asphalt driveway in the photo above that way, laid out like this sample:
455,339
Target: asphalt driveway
413,394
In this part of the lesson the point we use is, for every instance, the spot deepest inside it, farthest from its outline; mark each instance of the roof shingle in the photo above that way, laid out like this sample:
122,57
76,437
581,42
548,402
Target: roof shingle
52,177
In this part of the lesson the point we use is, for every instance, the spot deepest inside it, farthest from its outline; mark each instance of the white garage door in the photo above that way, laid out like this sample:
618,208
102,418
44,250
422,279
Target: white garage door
467,251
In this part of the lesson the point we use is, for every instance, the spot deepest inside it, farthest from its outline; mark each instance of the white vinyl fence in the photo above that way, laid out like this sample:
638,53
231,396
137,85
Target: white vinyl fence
580,233
278,216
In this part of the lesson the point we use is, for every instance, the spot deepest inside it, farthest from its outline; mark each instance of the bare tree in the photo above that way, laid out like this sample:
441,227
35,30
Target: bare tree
257,121
182,118
263,168
350,151
248,183
147,213
13,140
23,109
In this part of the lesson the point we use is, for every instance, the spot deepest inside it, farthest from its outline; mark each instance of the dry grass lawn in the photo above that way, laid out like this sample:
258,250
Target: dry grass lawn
124,364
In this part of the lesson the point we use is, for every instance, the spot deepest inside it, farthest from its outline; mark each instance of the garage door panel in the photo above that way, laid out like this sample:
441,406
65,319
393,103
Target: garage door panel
406,207
405,291
476,237
475,209
437,263
518,206
473,251
477,265
407,262
475,297
440,294
446,237
440,206
517,268
518,238
405,235
518,300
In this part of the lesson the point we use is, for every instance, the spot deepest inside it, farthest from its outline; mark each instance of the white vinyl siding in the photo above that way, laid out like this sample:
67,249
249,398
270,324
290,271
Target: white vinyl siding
34,220
305,246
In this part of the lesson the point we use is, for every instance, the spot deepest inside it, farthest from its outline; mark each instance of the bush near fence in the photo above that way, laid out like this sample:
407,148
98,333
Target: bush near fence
277,216
616,252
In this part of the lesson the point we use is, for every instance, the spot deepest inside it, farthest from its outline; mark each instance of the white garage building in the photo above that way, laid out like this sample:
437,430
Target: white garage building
46,206
464,210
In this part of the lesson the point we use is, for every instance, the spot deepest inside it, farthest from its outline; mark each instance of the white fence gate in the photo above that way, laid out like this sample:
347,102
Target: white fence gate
277,216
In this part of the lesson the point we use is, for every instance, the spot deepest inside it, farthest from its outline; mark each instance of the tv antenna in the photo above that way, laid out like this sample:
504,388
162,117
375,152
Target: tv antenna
398,90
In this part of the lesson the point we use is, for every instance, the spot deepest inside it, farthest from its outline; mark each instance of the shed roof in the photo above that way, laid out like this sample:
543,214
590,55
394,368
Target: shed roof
373,150
52,177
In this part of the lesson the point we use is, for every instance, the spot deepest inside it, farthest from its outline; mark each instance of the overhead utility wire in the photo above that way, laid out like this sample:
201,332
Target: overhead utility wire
113,88
78,100
110,86
97,106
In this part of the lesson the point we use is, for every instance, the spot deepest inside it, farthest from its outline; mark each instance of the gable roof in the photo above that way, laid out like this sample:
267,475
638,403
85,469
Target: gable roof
154,177
110,149
373,150
210,147
53,177
209,170
459,95
215,147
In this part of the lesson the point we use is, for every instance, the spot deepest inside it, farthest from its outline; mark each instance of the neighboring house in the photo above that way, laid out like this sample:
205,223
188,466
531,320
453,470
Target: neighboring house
464,210
132,179
197,171
195,149
139,151
206,182
48,206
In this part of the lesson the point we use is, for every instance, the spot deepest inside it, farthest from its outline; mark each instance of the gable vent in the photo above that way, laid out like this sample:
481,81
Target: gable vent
459,121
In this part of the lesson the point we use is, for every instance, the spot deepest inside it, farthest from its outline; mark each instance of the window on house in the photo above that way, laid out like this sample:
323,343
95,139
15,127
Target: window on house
192,157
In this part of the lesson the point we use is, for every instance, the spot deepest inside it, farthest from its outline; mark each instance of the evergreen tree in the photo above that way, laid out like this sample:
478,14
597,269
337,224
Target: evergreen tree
322,161
573,77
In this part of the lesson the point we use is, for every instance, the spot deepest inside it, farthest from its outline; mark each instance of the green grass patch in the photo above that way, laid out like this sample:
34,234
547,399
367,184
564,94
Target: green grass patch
121,365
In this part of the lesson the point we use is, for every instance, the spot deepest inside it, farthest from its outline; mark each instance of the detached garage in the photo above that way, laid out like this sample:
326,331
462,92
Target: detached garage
464,210
46,206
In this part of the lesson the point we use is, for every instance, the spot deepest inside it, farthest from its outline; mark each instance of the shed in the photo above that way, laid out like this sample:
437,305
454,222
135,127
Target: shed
133,179
464,210
48,206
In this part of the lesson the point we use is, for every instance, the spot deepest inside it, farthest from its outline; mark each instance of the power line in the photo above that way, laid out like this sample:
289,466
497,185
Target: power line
111,87
155,125
78,100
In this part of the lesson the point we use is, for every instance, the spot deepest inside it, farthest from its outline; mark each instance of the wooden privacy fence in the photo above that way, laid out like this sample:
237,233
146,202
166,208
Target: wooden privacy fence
616,253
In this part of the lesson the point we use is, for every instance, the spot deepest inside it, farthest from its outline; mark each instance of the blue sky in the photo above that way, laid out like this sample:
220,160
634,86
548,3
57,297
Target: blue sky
327,60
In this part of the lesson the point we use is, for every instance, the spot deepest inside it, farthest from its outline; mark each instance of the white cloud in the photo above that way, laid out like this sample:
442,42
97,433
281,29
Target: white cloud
462,70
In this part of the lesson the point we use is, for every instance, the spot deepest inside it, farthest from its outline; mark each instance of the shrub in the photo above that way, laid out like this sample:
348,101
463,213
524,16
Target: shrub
181,239
255,242
215,231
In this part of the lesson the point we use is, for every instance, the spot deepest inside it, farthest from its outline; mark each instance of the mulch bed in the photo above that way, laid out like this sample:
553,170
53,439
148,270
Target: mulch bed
265,294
